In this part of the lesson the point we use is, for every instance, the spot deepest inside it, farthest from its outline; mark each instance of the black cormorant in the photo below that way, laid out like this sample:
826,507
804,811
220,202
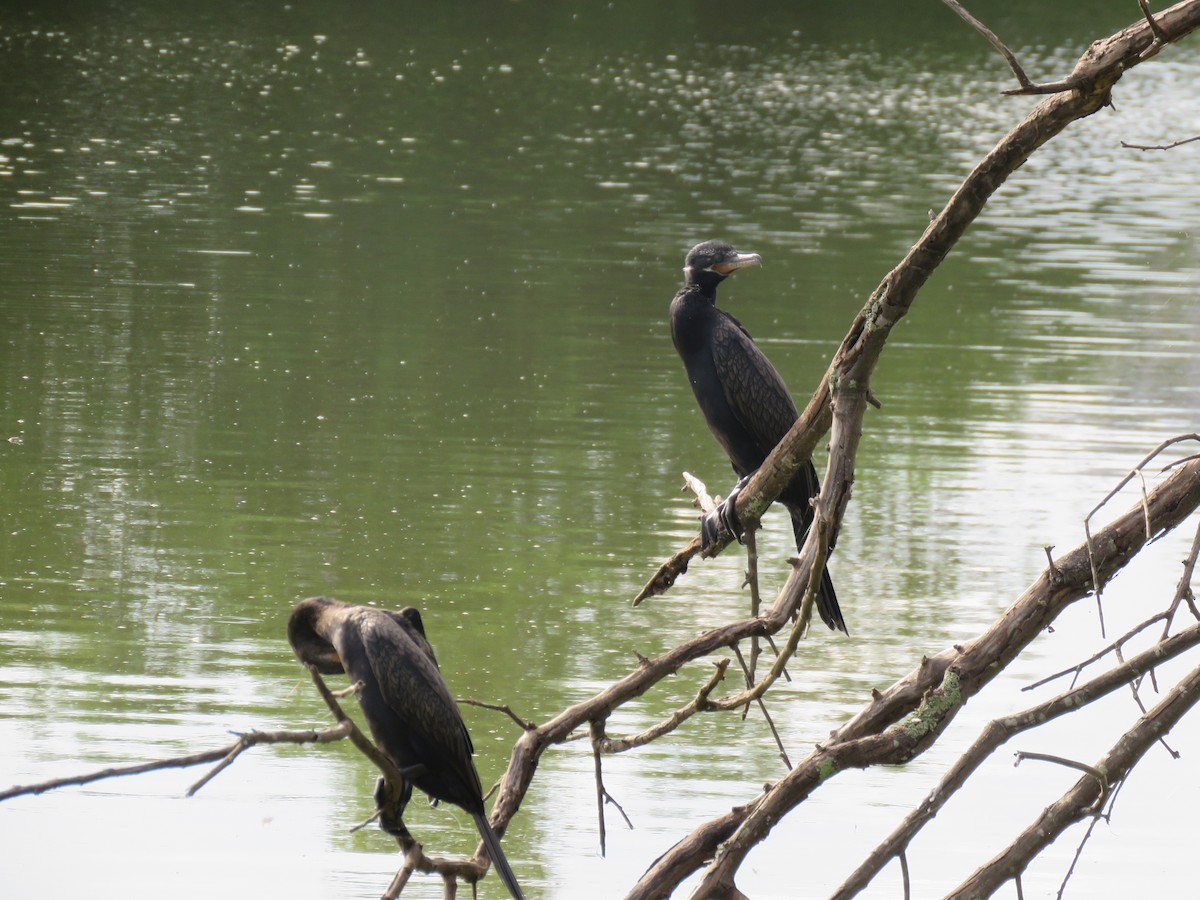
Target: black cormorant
746,404
412,716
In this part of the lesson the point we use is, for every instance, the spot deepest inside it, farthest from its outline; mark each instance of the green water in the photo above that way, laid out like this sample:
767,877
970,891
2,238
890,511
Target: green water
371,302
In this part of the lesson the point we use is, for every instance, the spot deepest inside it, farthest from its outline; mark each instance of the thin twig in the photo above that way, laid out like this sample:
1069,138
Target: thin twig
1160,36
787,676
763,708
1078,668
608,798
1183,591
603,797
1170,146
755,600
987,33
1021,755
225,762
1096,584
498,707
1100,814
249,739
673,721
360,740
597,730
761,687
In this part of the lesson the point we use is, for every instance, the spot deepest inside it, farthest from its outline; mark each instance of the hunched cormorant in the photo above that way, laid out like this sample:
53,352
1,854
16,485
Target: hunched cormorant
746,404
408,707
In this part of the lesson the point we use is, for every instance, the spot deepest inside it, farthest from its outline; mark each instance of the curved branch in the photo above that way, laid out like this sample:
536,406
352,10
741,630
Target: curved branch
610,745
903,721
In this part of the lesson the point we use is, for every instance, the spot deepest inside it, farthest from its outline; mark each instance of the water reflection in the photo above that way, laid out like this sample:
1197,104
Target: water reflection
325,301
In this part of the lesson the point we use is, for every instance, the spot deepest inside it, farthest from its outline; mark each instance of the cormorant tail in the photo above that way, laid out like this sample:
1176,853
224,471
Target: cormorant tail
827,605
827,602
499,861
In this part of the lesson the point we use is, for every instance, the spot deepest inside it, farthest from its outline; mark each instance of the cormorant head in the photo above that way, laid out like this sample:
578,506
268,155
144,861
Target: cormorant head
710,263
310,623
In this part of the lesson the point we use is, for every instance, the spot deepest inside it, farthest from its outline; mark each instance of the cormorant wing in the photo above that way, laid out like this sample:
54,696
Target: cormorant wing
412,686
409,618
753,388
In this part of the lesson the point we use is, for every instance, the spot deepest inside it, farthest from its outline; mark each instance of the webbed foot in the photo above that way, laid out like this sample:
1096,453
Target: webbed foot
391,807
725,515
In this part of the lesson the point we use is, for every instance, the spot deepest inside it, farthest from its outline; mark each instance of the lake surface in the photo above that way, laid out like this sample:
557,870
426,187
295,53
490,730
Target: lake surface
301,298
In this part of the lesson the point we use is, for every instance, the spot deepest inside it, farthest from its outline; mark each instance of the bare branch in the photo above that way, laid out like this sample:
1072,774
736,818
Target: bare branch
1170,146
360,740
1022,755
1022,78
1097,584
1112,647
705,501
995,734
677,718
783,754
751,542
597,734
222,755
1160,36
1183,592
907,718
1097,70
1084,798
500,708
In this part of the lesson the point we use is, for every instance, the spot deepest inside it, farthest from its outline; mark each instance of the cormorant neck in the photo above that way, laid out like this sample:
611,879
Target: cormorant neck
704,285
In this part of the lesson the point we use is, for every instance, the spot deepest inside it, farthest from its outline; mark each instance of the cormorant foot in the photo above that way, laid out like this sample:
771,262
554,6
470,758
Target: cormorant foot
725,515
390,809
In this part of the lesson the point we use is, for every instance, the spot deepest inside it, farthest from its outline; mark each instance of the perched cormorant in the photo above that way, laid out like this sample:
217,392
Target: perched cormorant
412,716
745,402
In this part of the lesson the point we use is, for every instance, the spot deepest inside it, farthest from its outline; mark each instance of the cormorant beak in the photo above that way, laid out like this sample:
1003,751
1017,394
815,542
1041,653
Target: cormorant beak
735,262
327,662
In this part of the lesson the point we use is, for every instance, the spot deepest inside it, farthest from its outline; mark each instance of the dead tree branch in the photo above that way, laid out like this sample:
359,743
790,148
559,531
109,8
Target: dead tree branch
497,707
991,38
609,745
221,755
1135,472
1094,75
1087,796
903,721
1153,33
1170,146
1183,593
995,734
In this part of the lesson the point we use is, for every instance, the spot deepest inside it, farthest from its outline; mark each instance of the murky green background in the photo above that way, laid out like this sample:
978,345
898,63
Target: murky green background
370,300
